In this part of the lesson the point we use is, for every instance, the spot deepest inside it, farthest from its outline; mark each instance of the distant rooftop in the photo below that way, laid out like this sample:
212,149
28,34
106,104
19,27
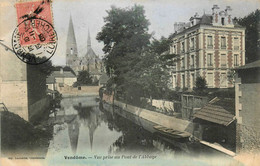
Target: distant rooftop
255,64
66,74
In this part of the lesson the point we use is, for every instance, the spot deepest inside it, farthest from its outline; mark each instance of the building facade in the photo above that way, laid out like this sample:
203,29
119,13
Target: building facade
90,61
247,88
207,46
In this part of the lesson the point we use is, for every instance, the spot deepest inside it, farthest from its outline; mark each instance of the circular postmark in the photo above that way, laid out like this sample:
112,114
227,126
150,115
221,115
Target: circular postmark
34,41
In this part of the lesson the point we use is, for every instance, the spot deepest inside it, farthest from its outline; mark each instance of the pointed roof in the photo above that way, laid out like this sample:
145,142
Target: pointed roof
90,52
71,39
206,19
89,41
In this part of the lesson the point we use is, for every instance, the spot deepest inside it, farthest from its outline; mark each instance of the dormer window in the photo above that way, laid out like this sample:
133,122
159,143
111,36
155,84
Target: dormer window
222,20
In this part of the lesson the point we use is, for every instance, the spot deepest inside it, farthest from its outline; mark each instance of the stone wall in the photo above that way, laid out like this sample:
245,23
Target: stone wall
13,84
36,109
79,91
250,116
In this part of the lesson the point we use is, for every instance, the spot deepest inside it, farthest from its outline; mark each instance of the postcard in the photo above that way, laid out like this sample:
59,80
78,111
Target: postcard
129,82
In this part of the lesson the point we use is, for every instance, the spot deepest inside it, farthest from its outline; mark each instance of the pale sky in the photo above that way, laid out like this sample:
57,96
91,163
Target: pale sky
90,13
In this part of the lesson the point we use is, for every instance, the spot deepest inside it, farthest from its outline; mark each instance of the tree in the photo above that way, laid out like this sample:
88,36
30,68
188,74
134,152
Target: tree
125,31
251,23
139,69
160,46
201,83
84,78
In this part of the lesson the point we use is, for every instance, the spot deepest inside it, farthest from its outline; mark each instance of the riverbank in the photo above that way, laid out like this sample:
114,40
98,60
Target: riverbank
168,122
21,137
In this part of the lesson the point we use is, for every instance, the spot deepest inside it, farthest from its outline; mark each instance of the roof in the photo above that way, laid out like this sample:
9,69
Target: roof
90,53
50,79
205,19
66,74
103,79
220,111
255,64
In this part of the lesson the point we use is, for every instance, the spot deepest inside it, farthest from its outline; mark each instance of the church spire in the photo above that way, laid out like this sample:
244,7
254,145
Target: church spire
71,50
89,41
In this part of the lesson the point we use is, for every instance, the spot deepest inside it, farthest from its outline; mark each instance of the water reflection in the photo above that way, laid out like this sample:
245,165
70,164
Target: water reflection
80,124
86,127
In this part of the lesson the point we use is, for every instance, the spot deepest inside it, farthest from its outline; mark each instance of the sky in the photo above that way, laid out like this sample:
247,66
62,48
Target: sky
89,14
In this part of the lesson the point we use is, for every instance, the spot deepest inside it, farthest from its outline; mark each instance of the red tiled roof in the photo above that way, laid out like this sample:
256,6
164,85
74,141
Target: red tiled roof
220,111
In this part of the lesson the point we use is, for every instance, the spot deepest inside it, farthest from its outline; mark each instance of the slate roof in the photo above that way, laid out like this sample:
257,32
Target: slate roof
218,110
255,64
50,79
205,19
67,74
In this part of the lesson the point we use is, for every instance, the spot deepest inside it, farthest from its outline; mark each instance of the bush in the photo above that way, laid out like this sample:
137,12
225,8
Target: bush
201,83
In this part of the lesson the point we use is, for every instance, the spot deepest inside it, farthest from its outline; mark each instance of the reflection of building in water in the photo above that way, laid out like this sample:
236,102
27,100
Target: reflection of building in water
91,117
73,129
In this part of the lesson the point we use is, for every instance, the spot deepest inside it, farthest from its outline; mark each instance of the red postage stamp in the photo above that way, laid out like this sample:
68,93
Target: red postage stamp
38,29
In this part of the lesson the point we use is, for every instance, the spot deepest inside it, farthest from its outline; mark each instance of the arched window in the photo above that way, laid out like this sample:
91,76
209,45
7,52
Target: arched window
71,51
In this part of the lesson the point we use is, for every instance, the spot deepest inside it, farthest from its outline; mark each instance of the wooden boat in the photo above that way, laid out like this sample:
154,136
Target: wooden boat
169,132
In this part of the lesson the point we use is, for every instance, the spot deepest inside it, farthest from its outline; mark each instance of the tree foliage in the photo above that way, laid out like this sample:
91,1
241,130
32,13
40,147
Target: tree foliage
251,23
84,78
201,83
125,31
136,65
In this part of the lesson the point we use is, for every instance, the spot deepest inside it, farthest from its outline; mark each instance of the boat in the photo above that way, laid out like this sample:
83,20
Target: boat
172,133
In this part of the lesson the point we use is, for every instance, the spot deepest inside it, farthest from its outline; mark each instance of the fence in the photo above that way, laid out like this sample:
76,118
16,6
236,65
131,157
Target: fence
190,104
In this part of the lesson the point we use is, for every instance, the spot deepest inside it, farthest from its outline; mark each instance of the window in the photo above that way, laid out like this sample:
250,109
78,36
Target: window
210,60
223,21
182,63
192,44
223,79
192,81
183,81
182,47
223,60
236,60
71,51
210,80
174,81
236,43
192,61
209,42
174,49
223,42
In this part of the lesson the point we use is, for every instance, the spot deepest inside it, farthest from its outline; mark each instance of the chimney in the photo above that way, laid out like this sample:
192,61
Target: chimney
214,9
61,70
228,9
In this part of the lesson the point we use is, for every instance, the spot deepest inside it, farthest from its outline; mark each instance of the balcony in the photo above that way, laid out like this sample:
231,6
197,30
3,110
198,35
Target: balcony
223,47
210,46
223,65
236,47
210,65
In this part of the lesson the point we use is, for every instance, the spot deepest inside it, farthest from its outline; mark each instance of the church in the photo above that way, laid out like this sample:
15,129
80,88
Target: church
89,62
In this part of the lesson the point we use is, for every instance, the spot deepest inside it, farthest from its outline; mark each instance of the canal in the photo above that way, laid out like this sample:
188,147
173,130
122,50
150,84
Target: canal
85,130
